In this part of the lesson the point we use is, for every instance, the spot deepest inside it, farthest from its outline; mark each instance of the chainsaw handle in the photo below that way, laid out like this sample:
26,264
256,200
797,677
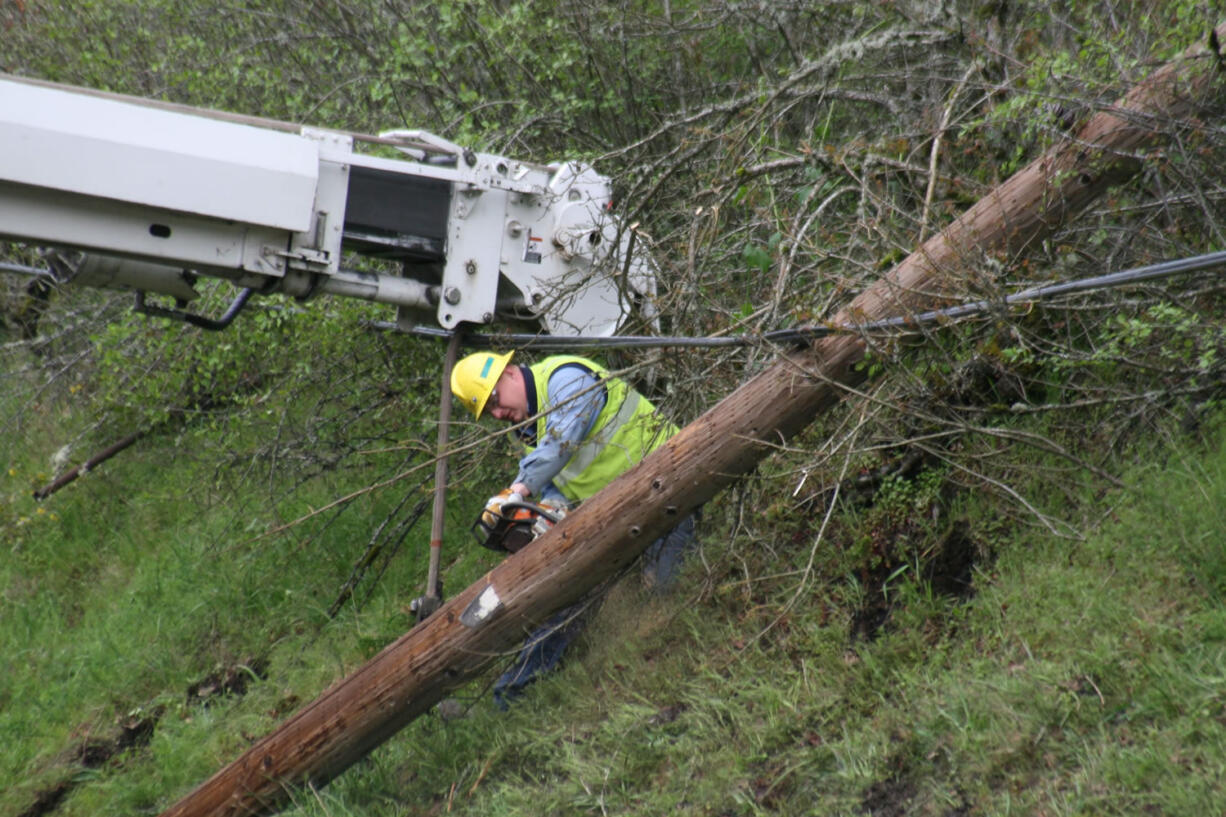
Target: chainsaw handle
531,506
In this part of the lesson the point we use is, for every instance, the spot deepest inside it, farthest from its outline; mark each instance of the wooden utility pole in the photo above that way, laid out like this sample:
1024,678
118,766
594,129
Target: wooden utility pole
610,530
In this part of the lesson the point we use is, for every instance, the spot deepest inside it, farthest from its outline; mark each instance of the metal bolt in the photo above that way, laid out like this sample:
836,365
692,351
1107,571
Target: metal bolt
515,229
635,530
487,317
451,295
471,268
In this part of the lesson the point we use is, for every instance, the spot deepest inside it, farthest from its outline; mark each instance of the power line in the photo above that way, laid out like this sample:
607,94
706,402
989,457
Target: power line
807,334
795,335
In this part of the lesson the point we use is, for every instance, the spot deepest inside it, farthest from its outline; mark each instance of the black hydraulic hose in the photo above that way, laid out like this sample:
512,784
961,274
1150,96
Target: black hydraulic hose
806,334
212,324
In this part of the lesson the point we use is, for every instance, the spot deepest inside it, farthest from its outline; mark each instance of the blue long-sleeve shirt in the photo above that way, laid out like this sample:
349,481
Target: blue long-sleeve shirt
576,398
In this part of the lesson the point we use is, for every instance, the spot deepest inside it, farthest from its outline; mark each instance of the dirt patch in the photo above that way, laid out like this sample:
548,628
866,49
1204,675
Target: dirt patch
888,798
872,615
948,568
49,799
133,732
136,731
227,681
666,715
902,525
772,787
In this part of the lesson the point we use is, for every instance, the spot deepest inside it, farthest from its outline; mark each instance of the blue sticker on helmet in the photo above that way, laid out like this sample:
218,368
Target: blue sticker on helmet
485,371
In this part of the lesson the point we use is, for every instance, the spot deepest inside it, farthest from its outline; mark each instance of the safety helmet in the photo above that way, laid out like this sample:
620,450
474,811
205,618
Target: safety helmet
474,377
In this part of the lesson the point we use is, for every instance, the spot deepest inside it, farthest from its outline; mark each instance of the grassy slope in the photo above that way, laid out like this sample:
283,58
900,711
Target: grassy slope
1084,677
132,589
1081,677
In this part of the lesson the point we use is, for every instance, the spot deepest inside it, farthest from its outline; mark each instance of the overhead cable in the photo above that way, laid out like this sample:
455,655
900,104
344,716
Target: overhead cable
806,334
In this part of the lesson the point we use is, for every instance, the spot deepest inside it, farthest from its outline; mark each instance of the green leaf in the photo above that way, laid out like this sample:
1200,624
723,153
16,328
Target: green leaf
756,257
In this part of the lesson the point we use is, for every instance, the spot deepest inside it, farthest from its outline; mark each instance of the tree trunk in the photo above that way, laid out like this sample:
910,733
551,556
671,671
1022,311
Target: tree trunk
609,531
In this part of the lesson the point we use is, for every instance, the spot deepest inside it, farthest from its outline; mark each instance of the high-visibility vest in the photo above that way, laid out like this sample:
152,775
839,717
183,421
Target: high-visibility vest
627,429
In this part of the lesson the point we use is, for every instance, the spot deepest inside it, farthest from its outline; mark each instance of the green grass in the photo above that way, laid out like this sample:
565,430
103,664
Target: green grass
140,580
1082,676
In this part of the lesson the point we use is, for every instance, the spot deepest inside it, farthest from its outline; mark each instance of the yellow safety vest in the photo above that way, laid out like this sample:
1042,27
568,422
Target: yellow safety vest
627,429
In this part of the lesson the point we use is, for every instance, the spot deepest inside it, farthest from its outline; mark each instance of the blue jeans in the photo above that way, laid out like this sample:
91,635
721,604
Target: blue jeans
543,649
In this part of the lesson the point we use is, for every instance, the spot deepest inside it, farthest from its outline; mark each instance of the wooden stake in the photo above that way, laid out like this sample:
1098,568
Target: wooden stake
434,597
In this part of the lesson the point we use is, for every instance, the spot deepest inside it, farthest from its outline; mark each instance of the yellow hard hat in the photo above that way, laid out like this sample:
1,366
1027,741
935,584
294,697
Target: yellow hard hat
474,377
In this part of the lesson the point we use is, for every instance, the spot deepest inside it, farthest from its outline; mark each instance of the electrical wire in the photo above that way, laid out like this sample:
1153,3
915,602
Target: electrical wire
807,334
795,335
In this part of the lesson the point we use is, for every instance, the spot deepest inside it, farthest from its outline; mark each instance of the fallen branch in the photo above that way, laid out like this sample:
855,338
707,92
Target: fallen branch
93,462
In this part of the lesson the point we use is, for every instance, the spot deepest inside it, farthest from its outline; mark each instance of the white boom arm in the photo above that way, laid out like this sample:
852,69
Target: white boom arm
157,194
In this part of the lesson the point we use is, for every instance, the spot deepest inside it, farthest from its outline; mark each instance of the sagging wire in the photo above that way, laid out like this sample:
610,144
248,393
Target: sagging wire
807,334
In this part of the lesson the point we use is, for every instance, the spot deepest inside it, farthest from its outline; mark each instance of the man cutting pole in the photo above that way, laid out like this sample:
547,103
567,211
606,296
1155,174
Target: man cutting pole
581,428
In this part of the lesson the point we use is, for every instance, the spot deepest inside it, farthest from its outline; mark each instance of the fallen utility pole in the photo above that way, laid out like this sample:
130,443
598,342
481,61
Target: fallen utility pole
610,530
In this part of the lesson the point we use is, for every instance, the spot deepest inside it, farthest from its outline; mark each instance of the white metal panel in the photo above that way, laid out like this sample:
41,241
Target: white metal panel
115,150
331,195
474,244
41,215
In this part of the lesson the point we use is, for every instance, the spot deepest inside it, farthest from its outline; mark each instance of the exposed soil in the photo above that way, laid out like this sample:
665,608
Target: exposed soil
888,798
951,568
137,731
948,569
94,753
227,681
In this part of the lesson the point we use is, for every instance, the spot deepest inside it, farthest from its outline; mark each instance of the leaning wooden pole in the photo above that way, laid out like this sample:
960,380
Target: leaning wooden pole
612,528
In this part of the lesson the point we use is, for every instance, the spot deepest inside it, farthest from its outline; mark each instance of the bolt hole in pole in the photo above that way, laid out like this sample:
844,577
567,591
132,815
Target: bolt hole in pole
159,231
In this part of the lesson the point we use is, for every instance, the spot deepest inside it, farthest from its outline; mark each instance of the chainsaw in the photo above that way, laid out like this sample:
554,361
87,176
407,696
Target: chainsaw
517,525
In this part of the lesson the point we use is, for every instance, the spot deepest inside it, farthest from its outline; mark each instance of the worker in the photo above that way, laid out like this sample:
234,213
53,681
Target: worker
587,428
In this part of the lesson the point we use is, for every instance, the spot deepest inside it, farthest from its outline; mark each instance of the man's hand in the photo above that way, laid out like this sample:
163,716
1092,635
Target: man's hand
493,508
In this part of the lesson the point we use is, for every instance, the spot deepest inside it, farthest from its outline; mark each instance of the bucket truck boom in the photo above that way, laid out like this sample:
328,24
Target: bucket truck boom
152,196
